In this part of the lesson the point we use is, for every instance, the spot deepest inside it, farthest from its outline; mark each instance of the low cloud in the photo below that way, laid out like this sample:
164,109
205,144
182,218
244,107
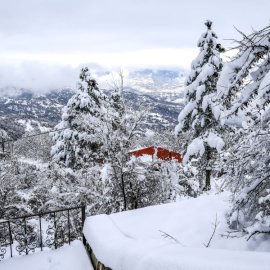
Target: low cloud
42,77
39,77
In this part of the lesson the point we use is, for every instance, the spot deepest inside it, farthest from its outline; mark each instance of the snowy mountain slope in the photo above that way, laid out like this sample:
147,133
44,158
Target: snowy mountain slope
149,81
137,239
162,113
27,112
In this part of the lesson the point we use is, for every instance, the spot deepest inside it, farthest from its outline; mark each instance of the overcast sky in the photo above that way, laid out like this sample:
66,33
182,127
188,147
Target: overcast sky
47,34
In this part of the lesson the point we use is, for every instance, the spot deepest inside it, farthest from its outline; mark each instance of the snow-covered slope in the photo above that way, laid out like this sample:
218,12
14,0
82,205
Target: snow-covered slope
137,239
162,81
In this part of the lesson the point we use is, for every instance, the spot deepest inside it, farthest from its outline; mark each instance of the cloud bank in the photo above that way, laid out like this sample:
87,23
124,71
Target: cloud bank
39,77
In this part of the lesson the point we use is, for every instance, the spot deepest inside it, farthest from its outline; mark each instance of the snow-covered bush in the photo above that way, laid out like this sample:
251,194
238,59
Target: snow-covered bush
33,147
22,188
187,184
244,87
146,182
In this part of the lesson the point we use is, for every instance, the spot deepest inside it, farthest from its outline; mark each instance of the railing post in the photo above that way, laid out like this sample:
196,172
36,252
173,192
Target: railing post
40,232
25,237
55,232
10,239
28,237
68,228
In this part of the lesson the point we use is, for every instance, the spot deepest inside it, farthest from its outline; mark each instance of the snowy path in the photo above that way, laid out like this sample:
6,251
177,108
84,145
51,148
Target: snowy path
73,257
133,240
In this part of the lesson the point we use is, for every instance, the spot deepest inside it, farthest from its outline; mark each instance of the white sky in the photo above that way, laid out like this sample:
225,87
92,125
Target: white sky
116,33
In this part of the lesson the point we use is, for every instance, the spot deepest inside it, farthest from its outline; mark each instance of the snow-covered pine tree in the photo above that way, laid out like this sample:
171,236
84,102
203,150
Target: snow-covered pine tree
78,141
201,114
244,85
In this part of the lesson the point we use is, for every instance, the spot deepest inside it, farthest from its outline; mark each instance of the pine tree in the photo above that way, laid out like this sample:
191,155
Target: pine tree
78,141
201,114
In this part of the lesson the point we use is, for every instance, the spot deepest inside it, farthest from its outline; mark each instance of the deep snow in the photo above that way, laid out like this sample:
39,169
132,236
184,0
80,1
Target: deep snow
136,239
73,257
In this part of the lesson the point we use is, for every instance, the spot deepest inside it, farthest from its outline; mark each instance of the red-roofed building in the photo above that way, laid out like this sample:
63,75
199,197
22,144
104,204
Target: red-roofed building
159,152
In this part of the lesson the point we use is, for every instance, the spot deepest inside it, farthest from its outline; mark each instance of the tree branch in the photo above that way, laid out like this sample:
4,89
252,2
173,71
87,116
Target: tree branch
213,233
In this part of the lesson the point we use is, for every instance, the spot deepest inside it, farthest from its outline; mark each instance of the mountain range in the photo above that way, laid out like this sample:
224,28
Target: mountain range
160,90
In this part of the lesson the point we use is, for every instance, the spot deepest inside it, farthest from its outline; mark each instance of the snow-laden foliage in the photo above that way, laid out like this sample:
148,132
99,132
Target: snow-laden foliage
200,117
78,139
147,180
244,86
133,183
29,187
197,146
33,147
247,75
247,166
144,185
24,188
112,181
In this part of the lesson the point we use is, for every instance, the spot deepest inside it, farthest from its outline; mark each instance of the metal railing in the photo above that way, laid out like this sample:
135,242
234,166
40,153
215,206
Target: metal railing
48,230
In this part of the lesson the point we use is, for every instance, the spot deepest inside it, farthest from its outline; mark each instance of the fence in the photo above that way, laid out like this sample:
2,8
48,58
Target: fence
49,230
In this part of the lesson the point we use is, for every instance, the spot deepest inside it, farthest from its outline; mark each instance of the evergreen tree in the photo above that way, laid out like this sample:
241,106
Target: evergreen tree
78,141
201,114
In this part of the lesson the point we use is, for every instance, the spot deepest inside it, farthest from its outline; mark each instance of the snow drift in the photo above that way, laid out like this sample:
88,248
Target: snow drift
172,236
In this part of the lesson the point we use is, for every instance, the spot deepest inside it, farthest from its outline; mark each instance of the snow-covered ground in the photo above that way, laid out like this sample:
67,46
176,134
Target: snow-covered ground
73,257
137,239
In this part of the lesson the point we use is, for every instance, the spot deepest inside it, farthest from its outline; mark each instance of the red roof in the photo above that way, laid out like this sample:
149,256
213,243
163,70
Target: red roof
160,152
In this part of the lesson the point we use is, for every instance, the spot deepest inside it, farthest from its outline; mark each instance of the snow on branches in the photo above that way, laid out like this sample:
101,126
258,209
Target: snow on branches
201,114
77,139
246,76
244,86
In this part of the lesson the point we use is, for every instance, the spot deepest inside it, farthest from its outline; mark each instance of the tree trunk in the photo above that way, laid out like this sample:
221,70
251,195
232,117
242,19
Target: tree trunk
207,180
123,191
208,170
